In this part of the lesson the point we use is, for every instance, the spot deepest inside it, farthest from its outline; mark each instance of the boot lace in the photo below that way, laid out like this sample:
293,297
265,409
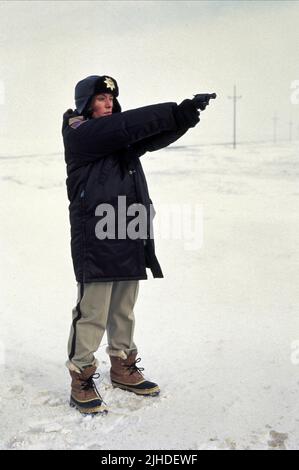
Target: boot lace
133,368
88,384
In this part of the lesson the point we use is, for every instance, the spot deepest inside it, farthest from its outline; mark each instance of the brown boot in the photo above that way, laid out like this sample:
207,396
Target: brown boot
84,395
126,375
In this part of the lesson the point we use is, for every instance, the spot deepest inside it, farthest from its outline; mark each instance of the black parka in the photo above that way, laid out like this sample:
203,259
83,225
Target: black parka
103,162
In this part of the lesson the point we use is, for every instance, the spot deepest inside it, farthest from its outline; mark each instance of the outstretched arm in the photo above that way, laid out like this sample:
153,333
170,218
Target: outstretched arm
96,138
157,142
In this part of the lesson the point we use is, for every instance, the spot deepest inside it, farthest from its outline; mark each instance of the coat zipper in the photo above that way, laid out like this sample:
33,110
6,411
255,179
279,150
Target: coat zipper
144,242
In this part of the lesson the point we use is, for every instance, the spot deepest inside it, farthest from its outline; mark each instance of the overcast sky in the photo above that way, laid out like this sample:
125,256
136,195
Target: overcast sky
157,51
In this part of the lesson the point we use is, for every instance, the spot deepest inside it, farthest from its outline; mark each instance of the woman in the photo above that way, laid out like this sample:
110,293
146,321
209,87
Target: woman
103,147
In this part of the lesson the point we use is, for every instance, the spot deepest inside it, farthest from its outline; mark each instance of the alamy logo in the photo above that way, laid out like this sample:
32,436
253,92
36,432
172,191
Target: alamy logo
295,94
295,353
2,353
173,222
2,92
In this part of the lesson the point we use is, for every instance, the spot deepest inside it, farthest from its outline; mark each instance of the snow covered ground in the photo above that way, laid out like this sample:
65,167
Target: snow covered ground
218,333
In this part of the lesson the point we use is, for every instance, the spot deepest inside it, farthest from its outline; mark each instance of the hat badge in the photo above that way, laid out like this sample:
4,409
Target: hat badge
109,83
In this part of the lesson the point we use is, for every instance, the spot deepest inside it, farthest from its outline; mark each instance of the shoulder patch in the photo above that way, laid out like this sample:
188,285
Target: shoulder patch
75,122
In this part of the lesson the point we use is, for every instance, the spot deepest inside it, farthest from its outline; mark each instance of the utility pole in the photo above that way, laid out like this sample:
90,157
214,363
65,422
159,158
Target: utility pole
290,129
235,98
274,119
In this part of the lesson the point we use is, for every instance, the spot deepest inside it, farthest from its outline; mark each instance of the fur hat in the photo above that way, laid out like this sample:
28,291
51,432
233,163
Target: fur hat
93,85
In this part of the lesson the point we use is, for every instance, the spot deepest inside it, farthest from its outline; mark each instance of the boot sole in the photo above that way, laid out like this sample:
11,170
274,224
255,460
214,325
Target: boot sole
146,393
89,411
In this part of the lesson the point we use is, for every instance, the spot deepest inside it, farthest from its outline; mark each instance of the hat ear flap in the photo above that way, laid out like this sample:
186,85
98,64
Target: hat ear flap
87,111
116,106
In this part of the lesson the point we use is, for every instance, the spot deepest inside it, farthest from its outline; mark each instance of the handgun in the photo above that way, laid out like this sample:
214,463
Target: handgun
202,100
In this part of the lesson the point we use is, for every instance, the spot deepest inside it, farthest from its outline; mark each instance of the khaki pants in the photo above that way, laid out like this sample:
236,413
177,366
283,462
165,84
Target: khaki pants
102,306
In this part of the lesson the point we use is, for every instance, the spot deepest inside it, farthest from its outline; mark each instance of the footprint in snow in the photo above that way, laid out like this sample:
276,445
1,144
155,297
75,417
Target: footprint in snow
277,440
